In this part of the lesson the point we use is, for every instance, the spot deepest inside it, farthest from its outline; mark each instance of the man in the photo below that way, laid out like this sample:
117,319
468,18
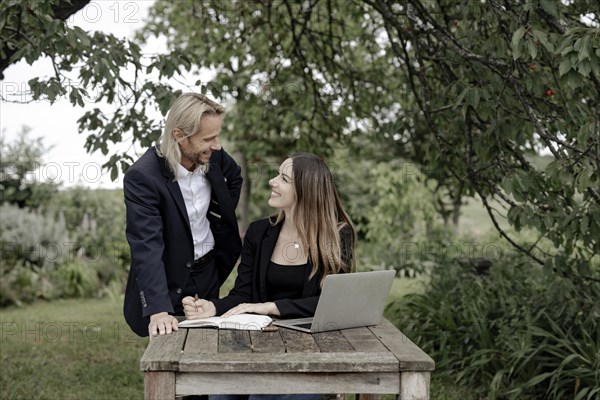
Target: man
181,223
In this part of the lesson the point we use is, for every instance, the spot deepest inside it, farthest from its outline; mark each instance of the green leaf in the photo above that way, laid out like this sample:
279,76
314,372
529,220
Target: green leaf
460,98
514,217
548,221
596,67
584,52
82,36
564,67
549,6
582,393
473,97
584,224
584,68
539,378
533,50
543,38
566,50
515,43
114,173
573,79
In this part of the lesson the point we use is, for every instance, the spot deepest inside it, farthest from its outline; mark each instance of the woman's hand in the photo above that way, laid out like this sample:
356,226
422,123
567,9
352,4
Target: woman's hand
196,309
257,308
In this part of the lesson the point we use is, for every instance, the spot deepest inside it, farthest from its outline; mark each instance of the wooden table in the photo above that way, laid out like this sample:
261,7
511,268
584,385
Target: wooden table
371,360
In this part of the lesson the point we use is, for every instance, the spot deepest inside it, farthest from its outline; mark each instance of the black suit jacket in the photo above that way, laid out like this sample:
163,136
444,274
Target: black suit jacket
160,237
251,282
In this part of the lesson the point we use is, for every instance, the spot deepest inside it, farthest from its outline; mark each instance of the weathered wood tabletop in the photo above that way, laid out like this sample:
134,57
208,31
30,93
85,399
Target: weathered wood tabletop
371,360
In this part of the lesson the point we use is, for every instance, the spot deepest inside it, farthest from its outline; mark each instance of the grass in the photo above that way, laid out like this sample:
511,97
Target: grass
404,286
475,221
69,349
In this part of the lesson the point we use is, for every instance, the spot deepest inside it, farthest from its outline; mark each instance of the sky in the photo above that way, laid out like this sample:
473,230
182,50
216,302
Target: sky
67,161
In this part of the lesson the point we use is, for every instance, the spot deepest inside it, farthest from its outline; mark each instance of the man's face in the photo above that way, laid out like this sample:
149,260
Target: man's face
197,149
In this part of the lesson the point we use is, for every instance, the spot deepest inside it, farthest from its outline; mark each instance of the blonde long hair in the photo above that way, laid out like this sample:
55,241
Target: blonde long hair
186,115
319,216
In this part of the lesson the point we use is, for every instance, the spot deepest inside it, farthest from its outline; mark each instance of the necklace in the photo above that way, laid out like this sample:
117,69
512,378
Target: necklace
294,242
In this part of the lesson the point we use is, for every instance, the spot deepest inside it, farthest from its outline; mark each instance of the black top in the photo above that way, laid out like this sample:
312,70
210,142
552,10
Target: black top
251,282
285,281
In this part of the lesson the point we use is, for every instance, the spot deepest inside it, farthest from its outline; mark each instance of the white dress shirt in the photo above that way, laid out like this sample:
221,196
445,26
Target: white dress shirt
196,189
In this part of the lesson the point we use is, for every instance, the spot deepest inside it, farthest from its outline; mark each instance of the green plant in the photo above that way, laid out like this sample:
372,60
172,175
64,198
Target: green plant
517,333
77,279
32,236
569,355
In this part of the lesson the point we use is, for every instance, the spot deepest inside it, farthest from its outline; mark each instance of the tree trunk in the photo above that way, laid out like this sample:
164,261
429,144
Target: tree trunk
456,205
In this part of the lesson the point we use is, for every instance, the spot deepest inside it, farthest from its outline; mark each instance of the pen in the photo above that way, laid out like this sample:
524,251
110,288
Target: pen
269,328
195,300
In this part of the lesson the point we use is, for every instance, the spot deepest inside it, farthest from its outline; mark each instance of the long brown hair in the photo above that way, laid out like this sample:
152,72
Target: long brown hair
319,216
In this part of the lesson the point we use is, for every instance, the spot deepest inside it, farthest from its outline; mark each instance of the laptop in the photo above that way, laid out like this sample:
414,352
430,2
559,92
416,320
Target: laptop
347,301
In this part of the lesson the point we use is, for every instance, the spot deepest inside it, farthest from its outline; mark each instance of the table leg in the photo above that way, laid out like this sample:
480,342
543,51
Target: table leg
414,385
159,385
366,396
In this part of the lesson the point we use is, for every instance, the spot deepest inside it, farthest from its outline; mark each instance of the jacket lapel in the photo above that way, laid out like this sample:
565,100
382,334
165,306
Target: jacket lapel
219,188
175,191
266,251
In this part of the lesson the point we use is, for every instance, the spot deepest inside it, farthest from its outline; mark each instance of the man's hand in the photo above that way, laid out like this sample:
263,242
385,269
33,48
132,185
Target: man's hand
161,324
257,308
196,309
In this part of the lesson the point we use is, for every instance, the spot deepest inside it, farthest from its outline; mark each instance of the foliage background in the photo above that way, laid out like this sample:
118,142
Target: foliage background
429,112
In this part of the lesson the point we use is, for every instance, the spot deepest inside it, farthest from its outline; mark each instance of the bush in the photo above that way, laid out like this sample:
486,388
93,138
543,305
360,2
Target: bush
33,243
517,333
24,284
77,279
32,236
75,248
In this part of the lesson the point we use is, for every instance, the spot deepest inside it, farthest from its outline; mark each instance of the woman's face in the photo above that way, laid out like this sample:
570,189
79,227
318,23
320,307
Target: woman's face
283,193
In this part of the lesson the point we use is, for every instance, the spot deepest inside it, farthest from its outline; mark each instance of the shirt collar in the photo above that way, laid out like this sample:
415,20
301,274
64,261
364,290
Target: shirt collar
182,172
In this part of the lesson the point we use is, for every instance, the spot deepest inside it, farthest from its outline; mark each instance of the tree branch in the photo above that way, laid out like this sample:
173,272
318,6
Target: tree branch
63,10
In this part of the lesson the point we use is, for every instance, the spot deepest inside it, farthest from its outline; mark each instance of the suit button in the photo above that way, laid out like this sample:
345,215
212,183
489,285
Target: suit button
188,264
178,290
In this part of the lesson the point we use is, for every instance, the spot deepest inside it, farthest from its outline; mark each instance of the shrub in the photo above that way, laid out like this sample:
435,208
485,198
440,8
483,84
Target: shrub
24,284
77,279
517,333
32,237
33,244
75,248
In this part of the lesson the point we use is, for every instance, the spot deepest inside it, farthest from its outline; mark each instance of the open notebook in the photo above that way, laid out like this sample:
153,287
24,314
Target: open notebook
242,322
347,301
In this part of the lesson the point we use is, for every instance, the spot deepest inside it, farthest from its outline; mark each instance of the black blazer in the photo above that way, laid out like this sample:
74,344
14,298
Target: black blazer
251,282
160,237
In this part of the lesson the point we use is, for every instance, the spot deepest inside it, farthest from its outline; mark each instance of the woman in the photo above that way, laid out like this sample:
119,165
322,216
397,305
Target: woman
286,257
